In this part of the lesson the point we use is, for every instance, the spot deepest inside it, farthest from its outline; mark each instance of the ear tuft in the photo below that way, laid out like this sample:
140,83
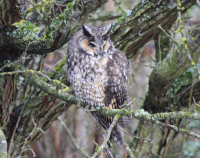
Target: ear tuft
86,30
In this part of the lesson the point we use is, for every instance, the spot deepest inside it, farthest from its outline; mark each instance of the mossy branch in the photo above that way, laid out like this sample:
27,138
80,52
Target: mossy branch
178,62
57,30
140,24
144,115
131,31
138,114
169,69
32,77
104,16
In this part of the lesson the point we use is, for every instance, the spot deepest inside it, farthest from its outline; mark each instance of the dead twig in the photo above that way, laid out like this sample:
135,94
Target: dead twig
19,118
147,65
106,139
72,139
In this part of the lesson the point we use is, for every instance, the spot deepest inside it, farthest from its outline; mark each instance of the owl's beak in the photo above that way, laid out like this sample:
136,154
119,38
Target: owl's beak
100,53
100,50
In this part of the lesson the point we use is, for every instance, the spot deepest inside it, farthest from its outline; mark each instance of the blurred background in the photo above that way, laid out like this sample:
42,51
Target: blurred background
55,143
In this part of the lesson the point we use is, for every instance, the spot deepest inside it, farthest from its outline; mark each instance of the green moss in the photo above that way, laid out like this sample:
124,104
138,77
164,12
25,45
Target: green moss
25,98
43,78
32,71
58,68
69,5
60,65
52,74
57,81
184,80
3,155
119,20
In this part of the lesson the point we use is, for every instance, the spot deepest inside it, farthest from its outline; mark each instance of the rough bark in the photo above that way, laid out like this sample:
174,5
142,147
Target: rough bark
130,33
43,41
140,24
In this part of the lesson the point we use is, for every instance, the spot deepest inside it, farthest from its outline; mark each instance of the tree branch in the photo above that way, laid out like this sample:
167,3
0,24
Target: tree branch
72,139
128,149
53,35
180,130
9,12
116,118
130,33
138,114
104,16
141,114
38,82
171,68
140,24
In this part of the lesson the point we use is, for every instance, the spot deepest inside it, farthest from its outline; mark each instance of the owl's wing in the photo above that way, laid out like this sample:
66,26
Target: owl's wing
118,73
124,65
117,94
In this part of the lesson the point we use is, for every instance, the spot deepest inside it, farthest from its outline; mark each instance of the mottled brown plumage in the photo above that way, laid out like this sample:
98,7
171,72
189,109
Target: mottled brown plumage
98,73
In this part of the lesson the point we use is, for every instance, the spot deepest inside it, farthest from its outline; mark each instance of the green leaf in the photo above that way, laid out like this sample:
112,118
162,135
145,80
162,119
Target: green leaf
15,24
21,22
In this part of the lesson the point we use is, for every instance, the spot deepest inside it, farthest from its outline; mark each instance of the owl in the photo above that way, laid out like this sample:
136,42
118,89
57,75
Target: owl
98,73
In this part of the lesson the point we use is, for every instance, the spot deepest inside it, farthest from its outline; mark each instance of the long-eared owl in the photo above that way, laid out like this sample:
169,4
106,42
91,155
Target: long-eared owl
98,73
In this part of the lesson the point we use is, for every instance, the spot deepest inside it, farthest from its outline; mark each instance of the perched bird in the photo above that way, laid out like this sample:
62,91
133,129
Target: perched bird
99,73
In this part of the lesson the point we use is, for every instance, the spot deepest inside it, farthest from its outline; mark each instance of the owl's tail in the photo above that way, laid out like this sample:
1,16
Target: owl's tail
125,121
115,134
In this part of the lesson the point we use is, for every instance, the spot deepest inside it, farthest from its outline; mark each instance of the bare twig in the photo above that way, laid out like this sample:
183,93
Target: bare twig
106,137
3,20
32,152
16,61
147,65
18,71
169,140
55,64
160,58
166,34
60,53
118,4
186,126
128,150
145,139
58,5
149,54
184,90
19,118
181,130
137,58
72,139
26,140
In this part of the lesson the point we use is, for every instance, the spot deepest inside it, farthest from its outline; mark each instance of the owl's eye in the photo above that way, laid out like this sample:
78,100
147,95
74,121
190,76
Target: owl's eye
91,44
105,37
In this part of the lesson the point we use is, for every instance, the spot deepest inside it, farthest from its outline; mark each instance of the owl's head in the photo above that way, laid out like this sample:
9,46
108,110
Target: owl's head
96,40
